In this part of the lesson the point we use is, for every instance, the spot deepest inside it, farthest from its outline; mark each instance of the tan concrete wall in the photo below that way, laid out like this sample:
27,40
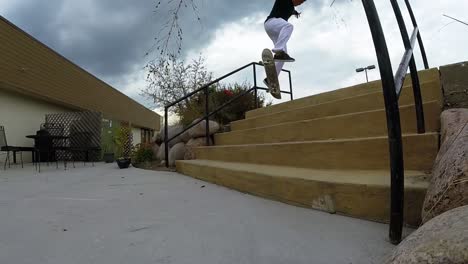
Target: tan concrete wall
454,79
23,116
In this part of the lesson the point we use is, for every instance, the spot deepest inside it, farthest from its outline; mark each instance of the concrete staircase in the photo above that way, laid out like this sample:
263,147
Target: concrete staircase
328,151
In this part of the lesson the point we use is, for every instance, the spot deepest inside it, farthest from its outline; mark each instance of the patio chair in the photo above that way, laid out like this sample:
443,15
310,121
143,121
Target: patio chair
4,147
81,146
49,146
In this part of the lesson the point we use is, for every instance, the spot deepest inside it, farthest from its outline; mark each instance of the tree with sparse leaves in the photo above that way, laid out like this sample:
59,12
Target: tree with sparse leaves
171,78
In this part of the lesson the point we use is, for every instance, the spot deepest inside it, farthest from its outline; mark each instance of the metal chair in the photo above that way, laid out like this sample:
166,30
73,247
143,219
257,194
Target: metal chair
51,146
4,147
81,146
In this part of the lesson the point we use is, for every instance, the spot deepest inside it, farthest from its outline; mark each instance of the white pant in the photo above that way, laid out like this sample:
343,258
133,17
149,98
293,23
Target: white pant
279,31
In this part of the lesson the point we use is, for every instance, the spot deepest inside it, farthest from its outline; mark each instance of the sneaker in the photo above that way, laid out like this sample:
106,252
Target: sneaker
265,81
283,56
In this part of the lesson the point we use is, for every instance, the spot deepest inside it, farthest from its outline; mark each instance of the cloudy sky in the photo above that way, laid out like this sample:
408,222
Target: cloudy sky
109,38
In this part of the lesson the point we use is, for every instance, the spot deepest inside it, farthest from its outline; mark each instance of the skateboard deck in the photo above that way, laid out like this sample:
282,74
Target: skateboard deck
270,71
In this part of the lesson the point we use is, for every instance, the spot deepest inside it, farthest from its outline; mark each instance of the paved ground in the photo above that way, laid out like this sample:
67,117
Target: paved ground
105,215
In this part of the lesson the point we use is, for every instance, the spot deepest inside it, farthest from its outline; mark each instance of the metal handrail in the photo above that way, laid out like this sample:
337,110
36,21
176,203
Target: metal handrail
208,114
392,86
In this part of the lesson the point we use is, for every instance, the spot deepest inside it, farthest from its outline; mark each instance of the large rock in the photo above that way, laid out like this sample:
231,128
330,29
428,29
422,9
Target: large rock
156,138
172,131
444,239
193,143
449,183
177,152
155,149
199,130
451,122
161,152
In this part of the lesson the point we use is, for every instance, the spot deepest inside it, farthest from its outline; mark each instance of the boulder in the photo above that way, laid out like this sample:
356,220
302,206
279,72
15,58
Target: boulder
193,143
448,188
444,239
155,149
172,131
177,152
161,152
199,130
156,138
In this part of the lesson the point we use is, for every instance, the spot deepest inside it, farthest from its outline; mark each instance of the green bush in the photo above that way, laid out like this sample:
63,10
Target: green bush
142,153
219,95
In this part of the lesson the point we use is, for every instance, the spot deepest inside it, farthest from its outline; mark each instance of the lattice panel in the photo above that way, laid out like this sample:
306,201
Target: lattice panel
83,130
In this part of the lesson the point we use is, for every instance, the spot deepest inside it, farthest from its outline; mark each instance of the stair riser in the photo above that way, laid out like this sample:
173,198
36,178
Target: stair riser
368,124
360,201
419,153
424,76
367,102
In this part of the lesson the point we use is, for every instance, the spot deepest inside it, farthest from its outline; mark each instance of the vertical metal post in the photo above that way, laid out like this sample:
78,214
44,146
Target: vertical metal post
255,85
413,68
367,77
290,86
421,44
207,120
393,122
166,137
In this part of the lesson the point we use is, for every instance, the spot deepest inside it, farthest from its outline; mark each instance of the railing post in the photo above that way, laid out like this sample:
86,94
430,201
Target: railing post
421,44
166,137
255,85
393,122
290,85
207,120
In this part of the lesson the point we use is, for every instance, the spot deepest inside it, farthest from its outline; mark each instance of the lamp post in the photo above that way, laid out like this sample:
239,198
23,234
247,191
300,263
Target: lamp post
370,67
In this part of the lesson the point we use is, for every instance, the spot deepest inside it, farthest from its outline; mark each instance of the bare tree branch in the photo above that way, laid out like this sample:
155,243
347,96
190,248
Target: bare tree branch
171,31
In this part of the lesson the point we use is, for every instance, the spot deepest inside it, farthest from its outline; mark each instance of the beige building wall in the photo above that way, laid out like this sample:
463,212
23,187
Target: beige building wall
32,68
21,116
136,135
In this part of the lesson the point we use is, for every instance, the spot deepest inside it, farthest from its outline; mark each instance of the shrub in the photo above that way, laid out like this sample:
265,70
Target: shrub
142,153
219,95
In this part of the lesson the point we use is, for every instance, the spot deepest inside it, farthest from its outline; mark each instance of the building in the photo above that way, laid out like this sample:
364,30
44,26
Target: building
35,81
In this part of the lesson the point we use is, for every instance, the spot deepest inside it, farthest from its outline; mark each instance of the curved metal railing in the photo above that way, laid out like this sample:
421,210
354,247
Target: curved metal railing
392,86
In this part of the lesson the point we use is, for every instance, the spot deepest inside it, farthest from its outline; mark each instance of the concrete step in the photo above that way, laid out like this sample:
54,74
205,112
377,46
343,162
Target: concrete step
426,76
362,194
359,103
357,153
364,124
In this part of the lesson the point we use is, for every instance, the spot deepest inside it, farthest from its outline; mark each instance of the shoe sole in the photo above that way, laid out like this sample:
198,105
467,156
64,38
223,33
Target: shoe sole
284,60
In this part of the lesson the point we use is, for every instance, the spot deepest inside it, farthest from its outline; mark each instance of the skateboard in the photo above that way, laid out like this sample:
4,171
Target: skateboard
270,71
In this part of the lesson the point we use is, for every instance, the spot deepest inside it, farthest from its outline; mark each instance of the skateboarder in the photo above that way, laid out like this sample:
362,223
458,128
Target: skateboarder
279,30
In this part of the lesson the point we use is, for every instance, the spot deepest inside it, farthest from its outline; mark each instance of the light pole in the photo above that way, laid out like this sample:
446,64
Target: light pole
370,67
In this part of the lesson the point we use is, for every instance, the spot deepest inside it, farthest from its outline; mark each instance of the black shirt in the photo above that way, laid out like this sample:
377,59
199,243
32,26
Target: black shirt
282,9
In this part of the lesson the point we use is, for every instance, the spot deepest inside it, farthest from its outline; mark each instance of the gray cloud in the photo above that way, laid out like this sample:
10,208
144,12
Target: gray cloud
108,37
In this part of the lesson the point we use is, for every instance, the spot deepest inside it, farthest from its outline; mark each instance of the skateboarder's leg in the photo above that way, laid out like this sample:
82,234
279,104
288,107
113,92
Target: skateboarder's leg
279,64
279,31
283,37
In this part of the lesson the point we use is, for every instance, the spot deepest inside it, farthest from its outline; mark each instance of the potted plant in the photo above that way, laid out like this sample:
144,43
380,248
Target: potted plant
123,141
108,156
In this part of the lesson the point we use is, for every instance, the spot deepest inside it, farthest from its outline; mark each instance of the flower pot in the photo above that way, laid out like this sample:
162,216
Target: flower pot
108,157
123,163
